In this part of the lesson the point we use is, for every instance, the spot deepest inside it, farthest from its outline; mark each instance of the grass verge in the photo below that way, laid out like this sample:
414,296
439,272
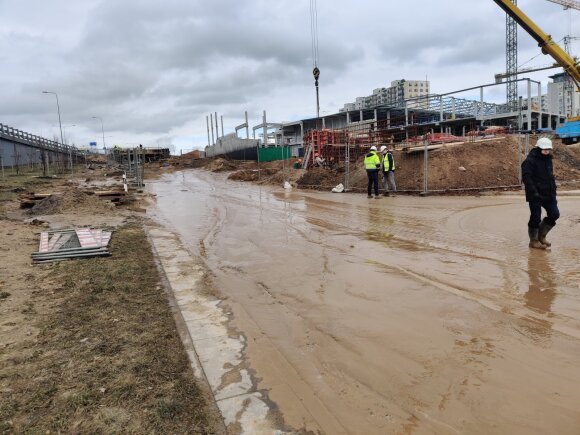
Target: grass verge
108,357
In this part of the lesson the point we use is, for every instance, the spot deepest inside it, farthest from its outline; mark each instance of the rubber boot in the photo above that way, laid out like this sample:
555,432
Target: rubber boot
543,232
534,242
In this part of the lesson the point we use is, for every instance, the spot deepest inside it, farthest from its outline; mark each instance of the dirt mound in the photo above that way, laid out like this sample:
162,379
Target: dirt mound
477,165
322,178
73,200
269,175
221,165
470,165
252,174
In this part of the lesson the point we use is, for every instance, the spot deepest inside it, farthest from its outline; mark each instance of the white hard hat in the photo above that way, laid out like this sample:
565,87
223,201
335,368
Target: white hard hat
373,148
544,143
383,148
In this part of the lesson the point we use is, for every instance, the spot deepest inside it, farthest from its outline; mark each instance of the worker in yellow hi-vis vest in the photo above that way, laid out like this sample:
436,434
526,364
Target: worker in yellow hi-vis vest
388,170
372,166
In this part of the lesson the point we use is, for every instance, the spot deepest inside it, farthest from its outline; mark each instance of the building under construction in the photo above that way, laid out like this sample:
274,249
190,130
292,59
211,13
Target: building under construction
403,122
442,117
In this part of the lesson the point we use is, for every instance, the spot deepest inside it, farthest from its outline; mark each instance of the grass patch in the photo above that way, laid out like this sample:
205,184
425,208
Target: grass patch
108,358
12,185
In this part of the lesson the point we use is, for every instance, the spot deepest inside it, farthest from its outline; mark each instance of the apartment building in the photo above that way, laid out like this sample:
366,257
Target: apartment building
562,96
394,95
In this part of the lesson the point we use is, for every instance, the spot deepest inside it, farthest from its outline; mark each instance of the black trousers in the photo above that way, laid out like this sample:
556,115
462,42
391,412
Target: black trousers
373,176
551,207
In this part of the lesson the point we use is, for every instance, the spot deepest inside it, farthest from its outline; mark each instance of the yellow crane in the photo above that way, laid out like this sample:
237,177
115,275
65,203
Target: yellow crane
544,40
570,132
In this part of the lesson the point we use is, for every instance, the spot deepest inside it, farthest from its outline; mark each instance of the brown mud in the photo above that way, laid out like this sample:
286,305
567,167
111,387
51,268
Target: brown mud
398,315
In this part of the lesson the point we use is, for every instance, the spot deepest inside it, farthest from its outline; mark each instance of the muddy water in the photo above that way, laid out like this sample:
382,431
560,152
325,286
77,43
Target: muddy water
398,315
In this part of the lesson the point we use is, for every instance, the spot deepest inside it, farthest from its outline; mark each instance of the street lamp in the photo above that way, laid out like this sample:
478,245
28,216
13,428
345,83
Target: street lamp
58,108
64,127
60,124
102,130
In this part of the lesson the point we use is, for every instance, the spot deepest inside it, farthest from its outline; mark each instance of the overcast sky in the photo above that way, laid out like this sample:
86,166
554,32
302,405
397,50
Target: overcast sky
153,70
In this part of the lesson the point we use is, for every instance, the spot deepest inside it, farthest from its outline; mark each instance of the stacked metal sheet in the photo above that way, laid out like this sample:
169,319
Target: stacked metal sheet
61,245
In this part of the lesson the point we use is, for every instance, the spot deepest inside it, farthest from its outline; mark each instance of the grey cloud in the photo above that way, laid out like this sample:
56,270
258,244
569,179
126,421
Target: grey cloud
150,67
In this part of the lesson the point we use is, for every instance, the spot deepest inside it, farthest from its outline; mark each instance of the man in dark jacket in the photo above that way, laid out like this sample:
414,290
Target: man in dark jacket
540,184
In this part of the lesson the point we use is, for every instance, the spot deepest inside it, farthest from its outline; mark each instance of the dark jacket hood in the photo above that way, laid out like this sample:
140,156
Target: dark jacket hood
537,152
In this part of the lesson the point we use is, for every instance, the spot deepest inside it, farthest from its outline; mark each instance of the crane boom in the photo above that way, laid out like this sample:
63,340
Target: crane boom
544,40
568,4
500,76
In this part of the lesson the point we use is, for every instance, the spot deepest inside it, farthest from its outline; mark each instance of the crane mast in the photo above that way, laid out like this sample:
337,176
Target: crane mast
544,40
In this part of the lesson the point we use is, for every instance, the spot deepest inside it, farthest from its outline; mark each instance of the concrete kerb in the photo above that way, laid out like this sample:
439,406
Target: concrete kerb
216,357
559,193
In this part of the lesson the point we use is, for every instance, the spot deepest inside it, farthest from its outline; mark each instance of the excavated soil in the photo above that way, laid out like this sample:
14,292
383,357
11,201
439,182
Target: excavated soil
477,165
72,199
492,163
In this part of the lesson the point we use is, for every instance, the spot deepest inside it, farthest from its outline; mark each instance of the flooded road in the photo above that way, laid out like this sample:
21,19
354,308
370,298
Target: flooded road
398,315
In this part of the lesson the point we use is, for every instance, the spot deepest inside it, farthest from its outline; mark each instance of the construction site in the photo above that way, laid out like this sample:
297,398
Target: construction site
247,288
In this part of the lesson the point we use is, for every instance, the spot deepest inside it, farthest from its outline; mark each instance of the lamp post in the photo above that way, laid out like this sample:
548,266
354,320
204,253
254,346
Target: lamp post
102,130
58,108
60,124
64,127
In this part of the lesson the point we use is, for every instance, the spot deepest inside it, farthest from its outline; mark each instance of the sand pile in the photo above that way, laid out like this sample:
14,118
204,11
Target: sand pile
70,201
221,165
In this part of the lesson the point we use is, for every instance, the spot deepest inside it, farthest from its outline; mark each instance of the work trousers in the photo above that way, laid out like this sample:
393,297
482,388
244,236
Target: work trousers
389,181
551,207
373,176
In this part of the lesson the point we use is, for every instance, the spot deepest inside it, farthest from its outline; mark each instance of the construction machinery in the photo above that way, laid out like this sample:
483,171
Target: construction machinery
570,131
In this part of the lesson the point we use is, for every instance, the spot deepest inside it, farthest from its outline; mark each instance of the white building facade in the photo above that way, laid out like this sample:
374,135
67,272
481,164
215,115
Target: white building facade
394,95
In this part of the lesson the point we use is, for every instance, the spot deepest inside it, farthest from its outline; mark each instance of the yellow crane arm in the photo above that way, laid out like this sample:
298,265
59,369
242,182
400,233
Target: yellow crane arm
545,41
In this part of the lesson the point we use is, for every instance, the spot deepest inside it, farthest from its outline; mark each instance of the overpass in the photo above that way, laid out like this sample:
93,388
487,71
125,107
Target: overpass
19,148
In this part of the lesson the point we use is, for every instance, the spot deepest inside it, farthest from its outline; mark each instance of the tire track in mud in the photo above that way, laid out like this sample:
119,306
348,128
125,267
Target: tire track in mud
330,225
439,242
207,241
421,237
436,243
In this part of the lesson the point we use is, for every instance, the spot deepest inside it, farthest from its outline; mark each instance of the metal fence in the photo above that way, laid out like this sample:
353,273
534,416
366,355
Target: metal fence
427,161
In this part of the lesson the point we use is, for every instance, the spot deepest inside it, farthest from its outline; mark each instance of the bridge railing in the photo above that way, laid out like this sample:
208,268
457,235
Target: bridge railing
11,133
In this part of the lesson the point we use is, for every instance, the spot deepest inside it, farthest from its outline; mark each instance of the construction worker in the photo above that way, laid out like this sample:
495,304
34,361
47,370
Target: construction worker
540,184
388,170
319,160
372,165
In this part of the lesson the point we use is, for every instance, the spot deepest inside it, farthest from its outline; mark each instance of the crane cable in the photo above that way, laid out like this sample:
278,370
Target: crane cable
314,32
314,35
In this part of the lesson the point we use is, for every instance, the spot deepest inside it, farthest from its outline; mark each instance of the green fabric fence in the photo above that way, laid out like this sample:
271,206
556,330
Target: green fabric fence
274,153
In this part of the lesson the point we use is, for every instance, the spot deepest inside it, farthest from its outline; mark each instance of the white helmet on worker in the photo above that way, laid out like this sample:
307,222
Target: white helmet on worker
544,143
373,148
383,148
